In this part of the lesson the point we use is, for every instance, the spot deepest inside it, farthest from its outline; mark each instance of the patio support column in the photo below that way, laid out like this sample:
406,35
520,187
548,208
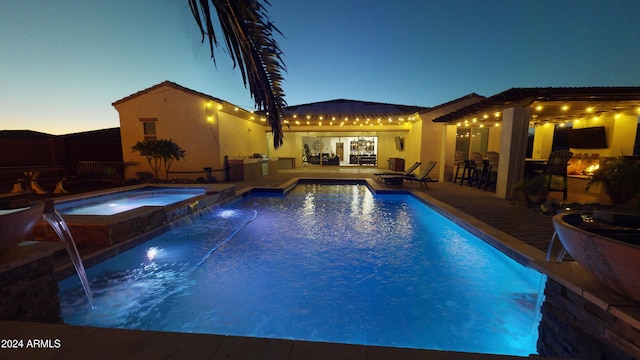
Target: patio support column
513,149
447,154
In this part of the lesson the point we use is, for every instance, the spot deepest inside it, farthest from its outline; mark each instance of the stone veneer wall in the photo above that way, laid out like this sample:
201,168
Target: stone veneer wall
573,327
30,293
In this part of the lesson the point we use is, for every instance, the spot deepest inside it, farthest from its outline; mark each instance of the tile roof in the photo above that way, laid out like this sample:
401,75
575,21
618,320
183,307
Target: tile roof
527,96
171,85
344,107
452,105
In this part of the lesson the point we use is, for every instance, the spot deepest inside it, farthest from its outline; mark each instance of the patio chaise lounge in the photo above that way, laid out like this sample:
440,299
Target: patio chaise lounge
422,178
409,171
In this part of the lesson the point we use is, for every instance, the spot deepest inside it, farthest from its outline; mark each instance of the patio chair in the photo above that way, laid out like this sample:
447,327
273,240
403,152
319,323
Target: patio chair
557,166
409,171
422,178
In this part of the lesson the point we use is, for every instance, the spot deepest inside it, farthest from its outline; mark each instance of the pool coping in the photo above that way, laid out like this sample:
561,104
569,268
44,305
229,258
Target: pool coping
83,342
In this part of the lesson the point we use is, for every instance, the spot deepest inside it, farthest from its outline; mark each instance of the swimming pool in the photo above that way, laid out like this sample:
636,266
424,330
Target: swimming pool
323,263
114,203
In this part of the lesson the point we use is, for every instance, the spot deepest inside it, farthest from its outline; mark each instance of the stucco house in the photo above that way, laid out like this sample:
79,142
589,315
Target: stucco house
207,128
518,123
213,131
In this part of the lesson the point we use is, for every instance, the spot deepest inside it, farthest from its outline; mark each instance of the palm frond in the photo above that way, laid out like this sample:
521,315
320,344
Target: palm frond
248,37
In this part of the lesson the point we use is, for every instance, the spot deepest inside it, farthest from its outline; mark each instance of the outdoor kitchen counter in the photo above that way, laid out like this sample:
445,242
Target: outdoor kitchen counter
247,169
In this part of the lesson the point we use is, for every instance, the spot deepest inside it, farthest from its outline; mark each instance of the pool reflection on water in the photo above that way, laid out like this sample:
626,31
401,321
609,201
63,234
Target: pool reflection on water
330,263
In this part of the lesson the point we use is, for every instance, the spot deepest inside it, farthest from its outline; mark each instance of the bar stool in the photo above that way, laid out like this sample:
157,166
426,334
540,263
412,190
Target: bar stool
490,173
468,172
459,164
483,178
476,168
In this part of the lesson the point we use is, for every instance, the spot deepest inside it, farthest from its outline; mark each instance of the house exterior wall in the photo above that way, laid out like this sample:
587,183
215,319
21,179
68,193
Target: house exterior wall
542,141
291,147
620,130
447,157
241,138
495,133
387,147
439,139
624,133
431,139
193,122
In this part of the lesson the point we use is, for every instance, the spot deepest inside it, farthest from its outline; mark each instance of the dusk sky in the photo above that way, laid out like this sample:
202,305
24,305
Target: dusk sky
64,62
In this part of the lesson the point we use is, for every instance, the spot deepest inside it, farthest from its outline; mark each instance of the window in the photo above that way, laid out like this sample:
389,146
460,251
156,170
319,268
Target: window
149,128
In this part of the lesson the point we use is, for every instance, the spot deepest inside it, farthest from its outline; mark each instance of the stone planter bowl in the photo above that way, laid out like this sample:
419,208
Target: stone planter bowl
16,224
615,263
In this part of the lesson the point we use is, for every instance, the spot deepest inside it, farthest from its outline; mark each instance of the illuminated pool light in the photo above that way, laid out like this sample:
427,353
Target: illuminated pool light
227,214
152,252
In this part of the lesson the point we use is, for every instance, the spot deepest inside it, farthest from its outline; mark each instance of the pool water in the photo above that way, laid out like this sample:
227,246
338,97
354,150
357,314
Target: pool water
323,263
115,203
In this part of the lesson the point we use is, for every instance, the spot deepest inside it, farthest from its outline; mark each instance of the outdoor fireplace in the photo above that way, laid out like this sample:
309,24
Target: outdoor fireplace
583,165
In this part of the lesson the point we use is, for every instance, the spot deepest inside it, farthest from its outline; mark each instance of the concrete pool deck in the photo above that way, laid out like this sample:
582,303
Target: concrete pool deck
530,230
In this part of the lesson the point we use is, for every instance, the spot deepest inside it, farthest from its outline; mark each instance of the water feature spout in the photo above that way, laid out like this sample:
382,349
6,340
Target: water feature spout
60,227
194,207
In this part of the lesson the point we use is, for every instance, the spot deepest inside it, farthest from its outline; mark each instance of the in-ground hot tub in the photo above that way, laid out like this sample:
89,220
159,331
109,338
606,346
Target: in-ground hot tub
110,217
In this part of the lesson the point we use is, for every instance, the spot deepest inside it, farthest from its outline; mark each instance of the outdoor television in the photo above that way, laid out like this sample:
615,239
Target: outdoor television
399,143
588,138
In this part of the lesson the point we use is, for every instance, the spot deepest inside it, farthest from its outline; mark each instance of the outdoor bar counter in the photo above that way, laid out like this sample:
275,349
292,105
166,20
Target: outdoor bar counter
251,168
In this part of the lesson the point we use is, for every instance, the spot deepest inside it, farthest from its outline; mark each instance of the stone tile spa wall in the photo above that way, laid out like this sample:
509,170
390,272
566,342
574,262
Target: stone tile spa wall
574,327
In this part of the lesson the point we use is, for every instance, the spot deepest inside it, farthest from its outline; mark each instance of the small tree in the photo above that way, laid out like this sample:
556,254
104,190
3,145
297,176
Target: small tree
159,153
170,152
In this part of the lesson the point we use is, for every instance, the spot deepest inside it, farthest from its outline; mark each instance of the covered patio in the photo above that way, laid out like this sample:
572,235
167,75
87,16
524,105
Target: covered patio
527,123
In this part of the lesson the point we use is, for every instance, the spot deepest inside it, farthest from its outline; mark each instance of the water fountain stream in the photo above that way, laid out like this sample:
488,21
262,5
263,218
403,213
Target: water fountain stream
60,227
